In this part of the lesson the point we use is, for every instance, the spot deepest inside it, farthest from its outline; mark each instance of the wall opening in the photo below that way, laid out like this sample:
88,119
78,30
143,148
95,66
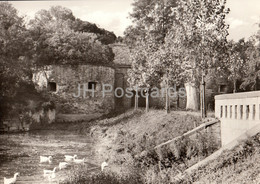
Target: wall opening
241,111
221,111
230,111
52,86
235,111
226,111
92,85
247,111
253,112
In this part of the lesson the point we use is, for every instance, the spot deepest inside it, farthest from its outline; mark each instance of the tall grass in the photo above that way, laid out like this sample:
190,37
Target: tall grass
132,137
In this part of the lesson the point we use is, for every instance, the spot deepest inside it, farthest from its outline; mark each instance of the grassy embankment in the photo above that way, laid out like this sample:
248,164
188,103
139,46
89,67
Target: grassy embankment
240,165
127,141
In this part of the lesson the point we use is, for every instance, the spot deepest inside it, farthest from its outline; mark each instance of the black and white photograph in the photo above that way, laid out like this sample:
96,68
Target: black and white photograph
130,92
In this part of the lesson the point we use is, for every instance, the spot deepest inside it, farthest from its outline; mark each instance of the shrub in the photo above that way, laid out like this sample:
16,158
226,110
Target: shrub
81,175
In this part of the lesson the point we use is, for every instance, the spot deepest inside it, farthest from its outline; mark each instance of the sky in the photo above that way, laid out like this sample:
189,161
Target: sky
113,15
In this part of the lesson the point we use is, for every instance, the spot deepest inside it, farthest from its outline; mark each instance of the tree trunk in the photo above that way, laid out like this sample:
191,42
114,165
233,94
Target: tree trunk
136,99
192,97
235,86
167,98
167,101
147,102
203,99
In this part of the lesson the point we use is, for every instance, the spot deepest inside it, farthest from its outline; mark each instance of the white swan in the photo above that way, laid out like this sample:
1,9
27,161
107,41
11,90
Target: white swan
63,165
47,172
69,158
79,161
45,159
103,165
11,180
51,176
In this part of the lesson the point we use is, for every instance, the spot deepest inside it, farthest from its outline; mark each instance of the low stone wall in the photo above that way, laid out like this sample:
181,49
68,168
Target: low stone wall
176,101
75,118
238,113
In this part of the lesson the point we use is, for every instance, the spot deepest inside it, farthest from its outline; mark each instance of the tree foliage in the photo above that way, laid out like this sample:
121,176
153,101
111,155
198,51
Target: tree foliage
252,67
236,65
152,19
15,54
104,36
57,40
15,49
198,36
178,38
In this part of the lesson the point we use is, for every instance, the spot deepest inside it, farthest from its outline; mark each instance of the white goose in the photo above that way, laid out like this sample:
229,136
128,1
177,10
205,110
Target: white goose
11,180
47,172
69,158
63,165
103,165
79,161
45,159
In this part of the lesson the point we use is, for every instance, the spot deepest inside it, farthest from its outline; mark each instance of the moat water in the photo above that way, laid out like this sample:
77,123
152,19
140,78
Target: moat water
20,152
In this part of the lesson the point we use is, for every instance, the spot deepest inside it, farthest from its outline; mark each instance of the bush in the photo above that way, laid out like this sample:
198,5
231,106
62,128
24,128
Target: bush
81,175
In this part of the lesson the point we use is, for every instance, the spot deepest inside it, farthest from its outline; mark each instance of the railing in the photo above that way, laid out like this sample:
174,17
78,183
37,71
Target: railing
238,112
204,126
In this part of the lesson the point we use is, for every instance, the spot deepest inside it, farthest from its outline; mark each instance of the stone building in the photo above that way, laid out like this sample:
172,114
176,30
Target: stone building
87,89
78,89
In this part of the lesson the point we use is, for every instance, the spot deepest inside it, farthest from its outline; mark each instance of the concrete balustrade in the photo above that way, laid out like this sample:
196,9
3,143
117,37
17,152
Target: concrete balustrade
238,112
